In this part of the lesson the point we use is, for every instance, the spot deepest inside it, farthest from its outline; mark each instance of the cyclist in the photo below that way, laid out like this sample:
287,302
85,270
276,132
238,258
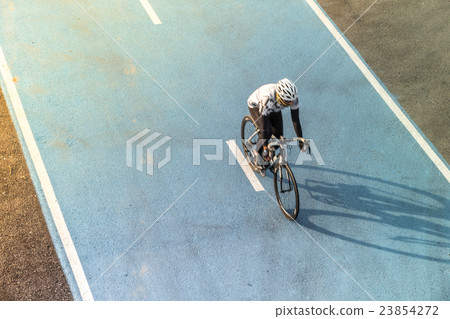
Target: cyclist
265,105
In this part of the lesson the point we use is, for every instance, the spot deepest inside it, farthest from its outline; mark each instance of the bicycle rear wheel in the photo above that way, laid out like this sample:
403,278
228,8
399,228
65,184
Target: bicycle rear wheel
249,137
286,191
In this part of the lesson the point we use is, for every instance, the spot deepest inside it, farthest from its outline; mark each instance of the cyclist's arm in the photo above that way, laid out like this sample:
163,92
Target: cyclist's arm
296,122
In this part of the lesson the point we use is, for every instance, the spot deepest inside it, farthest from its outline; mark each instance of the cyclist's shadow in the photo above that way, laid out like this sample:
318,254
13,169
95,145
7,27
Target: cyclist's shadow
408,209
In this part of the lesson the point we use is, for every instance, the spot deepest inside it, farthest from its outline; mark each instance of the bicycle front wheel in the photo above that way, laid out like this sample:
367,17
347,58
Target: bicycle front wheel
249,138
286,191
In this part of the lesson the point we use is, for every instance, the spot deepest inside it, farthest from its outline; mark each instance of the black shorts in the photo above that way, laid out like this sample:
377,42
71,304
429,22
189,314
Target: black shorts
269,125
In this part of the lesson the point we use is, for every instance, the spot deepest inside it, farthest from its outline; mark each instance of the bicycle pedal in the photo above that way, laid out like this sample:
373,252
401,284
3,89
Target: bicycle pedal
262,172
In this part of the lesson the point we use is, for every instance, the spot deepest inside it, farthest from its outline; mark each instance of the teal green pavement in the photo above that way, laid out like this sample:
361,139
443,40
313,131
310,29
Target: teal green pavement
374,220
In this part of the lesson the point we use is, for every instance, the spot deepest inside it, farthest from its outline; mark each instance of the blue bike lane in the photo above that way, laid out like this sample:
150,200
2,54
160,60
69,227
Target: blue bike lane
374,219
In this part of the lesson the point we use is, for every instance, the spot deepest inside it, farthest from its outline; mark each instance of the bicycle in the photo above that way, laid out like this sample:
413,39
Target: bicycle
284,182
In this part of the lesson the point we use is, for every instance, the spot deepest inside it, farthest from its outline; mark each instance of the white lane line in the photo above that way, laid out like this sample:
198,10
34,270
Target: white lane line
244,165
150,12
134,60
381,91
44,179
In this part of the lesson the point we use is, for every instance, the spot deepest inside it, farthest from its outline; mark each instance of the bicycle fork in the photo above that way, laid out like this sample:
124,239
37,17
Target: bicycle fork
282,180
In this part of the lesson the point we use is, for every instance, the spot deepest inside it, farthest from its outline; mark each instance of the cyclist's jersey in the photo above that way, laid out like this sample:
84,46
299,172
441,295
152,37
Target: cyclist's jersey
264,99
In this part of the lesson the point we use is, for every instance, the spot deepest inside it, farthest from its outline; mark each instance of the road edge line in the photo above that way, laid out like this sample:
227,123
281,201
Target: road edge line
44,179
437,161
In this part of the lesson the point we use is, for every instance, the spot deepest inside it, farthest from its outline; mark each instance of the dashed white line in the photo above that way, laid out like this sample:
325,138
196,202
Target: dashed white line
44,179
244,165
150,12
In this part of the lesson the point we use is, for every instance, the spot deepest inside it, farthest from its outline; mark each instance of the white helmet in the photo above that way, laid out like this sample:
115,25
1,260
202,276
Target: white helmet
287,90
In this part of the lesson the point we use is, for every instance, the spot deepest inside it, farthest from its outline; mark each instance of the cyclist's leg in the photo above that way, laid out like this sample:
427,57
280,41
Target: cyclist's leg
265,129
276,121
254,113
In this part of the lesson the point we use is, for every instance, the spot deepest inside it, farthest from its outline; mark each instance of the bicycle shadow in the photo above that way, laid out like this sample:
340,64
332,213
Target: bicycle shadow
407,209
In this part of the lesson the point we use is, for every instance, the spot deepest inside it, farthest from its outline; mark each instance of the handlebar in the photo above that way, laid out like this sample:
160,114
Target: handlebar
282,142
